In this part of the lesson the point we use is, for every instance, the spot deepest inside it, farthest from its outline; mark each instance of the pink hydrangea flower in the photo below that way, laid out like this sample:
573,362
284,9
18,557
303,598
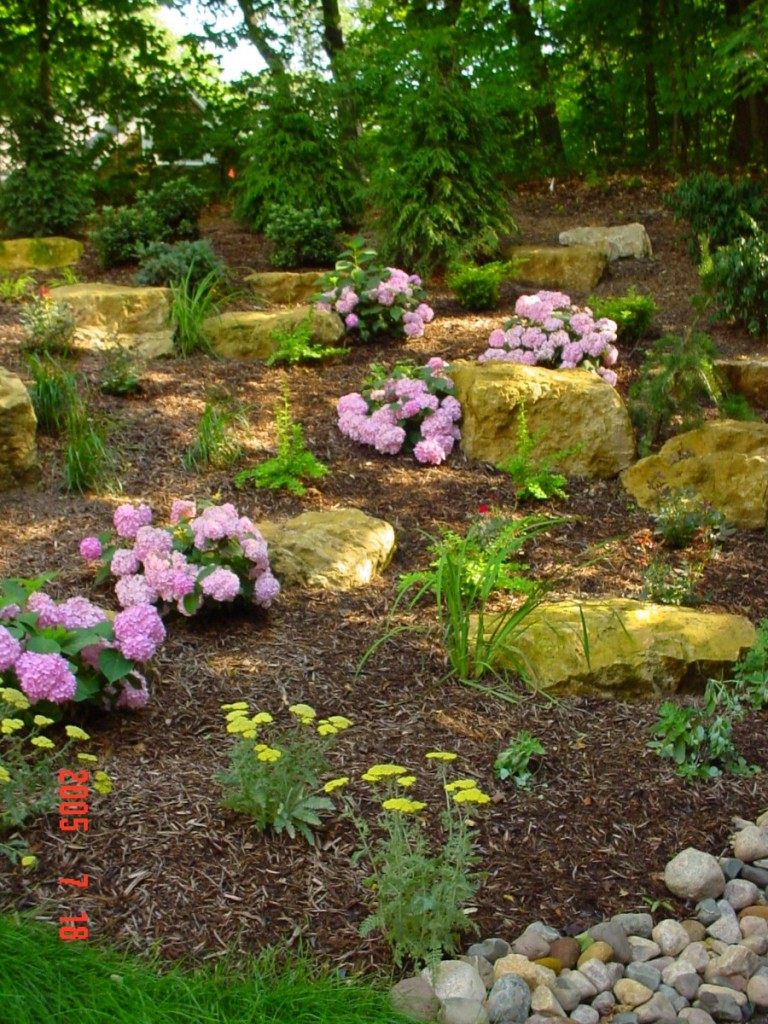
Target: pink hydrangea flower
45,677
9,611
351,321
80,613
46,608
10,649
138,631
182,509
131,696
265,589
222,585
152,540
90,548
134,590
429,452
128,520
124,562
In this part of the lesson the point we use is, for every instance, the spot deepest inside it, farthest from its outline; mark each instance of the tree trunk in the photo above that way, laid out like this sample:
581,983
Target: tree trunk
749,130
648,46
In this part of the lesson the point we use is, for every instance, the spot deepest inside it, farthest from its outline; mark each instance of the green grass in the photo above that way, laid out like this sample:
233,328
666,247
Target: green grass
45,979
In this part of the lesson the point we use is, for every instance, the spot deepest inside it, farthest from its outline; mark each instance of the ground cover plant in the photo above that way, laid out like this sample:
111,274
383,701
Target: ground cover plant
172,869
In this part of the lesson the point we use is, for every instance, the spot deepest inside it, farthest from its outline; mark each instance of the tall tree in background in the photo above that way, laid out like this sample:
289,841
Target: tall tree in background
745,49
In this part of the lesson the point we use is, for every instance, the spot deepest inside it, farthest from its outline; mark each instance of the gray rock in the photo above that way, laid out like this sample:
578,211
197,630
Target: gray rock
648,976
735,960
757,875
540,1018
707,911
483,967
694,875
671,937
585,1015
597,972
415,998
757,990
726,928
457,1010
758,944
661,962
604,1002
531,944
683,978
544,930
492,949
616,938
572,988
658,1007
731,867
740,893
697,955
617,242
640,924
509,1001
677,1001
625,1017
544,1001
452,978
643,949
751,843
694,1015
722,1003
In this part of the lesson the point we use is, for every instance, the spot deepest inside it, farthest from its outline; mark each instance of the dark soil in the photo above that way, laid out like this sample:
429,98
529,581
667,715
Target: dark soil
166,864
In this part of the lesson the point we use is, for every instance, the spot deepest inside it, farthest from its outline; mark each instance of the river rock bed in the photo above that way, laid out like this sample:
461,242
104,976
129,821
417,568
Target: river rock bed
710,967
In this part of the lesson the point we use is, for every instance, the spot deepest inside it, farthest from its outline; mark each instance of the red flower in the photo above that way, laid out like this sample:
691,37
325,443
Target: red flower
483,509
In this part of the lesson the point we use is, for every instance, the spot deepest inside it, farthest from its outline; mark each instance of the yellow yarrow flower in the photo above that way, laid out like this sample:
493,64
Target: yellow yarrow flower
43,742
75,732
449,787
440,755
237,713
42,721
326,729
471,796
14,697
87,757
270,754
334,784
406,780
340,722
260,746
238,705
304,712
102,783
9,725
4,774
377,772
238,725
249,734
404,806
29,862
262,718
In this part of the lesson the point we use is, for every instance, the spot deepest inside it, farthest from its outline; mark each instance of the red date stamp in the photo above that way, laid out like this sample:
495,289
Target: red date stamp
73,811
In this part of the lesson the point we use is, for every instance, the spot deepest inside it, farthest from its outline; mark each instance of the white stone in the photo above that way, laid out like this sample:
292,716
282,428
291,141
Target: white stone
454,978
751,843
694,875
671,937
617,242
643,949
740,893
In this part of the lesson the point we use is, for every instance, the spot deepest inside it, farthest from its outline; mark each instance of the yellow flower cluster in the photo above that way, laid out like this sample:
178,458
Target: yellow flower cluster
9,725
440,755
403,805
380,772
471,796
335,784
266,753
238,721
305,714
14,697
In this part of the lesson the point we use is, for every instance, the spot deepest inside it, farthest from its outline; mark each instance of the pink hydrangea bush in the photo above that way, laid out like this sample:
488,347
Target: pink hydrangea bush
548,330
408,409
372,299
208,557
61,651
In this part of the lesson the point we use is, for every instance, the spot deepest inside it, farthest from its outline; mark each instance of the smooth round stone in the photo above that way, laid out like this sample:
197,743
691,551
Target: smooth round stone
524,968
731,867
736,960
640,924
683,978
751,925
544,930
492,949
585,1015
625,1017
678,1001
532,945
740,893
694,875
696,956
757,990
722,1003
551,962
414,998
631,993
597,972
648,976
454,978
696,930
757,943
544,1001
483,967
707,911
658,1008
755,874
509,1001
751,843
597,951
457,1010
693,1015
643,949
616,938
671,937
604,1003
572,988
566,950
758,910
726,928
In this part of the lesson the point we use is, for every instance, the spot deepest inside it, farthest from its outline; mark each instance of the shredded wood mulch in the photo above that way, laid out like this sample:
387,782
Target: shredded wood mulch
166,864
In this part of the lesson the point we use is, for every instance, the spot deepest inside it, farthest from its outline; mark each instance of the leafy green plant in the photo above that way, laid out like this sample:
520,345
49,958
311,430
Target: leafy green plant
295,345
477,288
301,238
736,407
534,478
292,465
421,887
14,288
750,675
48,325
119,232
714,208
164,264
54,391
120,372
667,583
177,204
683,516
191,305
217,443
677,375
89,462
49,196
276,781
518,760
633,314
736,276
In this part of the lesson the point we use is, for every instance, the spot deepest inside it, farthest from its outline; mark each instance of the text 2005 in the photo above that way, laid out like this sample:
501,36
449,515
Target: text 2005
73,808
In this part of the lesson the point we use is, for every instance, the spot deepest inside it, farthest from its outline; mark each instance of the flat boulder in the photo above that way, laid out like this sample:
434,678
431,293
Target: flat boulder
616,242
572,270
747,377
337,550
39,253
724,462
18,427
569,408
623,648
284,287
251,335
110,314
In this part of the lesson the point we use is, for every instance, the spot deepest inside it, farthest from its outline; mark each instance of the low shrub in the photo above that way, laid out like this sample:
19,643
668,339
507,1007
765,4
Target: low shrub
177,205
736,276
534,478
714,208
632,313
119,233
164,264
50,197
301,238
477,288
295,345
48,325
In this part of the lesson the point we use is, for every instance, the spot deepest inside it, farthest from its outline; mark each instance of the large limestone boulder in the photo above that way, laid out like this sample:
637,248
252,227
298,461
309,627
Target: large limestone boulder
39,253
623,648
570,407
616,242
747,377
109,314
250,335
284,288
336,550
725,463
572,270
18,425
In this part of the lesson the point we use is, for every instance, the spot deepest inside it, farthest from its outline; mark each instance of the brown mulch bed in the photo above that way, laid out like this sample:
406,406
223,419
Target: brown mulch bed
166,863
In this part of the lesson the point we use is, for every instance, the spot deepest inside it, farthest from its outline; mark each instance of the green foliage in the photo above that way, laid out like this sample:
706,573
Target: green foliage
13,289
750,675
47,197
165,264
217,444
295,345
192,303
292,156
633,314
477,288
518,760
715,208
700,739
533,478
292,465
678,374
736,275
682,516
54,392
736,407
301,238
666,583
89,463
276,782
177,204
120,372
48,325
119,233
